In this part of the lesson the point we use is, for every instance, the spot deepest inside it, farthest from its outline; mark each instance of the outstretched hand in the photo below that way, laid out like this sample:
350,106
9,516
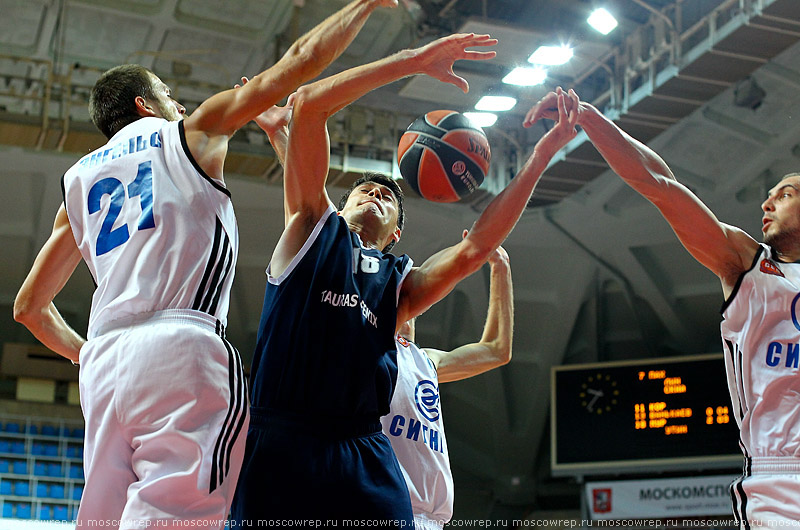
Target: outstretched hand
547,107
437,58
568,112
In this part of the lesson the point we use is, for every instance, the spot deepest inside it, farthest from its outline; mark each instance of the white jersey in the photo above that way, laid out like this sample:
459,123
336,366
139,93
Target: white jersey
761,339
414,426
155,230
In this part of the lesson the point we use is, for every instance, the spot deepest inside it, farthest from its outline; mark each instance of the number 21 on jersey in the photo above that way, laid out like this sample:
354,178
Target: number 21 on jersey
109,237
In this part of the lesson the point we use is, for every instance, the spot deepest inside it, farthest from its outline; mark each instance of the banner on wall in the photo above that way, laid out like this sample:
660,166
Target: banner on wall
660,498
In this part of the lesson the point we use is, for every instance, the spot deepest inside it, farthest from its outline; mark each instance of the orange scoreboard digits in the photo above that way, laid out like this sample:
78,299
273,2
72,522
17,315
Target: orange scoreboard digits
656,414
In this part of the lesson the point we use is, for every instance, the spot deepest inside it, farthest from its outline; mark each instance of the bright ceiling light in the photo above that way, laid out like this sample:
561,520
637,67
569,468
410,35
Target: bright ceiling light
482,119
602,21
495,103
522,76
551,55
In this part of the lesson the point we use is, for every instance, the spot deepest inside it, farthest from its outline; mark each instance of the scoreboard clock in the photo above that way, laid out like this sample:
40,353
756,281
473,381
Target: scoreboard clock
649,415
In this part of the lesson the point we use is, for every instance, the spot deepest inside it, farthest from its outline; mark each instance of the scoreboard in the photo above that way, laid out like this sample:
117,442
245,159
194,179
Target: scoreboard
649,415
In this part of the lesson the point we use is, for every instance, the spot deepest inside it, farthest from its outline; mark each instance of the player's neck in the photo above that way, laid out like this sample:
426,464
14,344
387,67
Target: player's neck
370,237
788,254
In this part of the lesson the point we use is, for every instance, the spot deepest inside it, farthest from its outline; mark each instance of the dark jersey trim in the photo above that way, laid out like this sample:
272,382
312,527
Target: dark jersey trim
221,257
218,293
209,266
736,364
213,287
213,182
224,261
728,302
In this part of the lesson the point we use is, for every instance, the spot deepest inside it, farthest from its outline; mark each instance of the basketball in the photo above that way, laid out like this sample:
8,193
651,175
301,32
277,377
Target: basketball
443,156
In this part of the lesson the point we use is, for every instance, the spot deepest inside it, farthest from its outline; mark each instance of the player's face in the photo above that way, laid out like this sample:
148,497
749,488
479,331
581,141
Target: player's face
166,107
372,203
780,223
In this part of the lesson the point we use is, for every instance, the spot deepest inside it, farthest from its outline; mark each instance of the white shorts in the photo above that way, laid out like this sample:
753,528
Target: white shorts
165,402
766,497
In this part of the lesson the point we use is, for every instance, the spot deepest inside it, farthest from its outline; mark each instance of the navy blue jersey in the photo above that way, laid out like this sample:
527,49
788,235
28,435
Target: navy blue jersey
326,339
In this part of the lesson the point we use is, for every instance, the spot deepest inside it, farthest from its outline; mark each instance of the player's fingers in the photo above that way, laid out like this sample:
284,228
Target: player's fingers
576,102
458,81
564,116
532,116
562,106
474,55
480,40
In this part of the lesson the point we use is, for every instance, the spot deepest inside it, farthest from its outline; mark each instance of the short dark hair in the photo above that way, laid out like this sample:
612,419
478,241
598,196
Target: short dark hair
371,176
112,101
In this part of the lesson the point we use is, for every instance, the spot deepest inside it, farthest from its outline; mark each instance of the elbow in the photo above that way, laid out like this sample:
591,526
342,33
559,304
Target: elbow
499,352
307,102
504,354
23,312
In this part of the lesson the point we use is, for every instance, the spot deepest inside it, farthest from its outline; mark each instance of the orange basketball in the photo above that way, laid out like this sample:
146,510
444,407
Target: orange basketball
443,156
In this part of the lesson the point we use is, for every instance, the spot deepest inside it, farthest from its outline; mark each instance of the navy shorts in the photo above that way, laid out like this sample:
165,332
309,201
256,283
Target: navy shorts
321,471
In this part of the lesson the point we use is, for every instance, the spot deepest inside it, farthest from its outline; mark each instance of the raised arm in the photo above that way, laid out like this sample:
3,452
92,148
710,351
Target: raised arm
725,250
436,277
51,269
308,150
211,125
494,348
226,112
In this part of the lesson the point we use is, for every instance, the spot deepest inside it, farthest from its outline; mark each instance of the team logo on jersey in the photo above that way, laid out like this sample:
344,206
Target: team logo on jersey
426,397
769,267
403,341
794,312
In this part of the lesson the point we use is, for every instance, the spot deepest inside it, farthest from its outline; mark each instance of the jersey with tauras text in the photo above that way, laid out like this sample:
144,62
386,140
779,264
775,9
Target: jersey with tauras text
325,346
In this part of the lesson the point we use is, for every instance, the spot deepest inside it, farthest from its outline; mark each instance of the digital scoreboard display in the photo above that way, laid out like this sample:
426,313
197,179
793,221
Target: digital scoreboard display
655,414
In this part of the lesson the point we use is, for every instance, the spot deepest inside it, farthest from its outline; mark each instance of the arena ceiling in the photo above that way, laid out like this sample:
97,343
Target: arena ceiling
711,84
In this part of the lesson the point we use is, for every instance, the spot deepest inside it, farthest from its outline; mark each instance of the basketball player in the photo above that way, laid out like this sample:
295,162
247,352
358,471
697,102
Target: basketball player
759,331
414,424
162,390
325,361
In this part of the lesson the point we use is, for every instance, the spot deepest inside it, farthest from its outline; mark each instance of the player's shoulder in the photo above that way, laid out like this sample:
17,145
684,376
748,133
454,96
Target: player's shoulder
742,251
